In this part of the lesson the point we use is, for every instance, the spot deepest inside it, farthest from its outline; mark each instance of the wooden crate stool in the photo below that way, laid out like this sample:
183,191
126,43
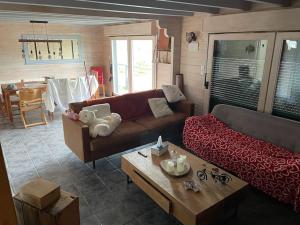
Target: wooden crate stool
64,212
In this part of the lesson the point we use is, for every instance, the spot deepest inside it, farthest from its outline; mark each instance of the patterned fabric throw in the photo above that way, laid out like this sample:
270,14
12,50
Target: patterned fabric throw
272,169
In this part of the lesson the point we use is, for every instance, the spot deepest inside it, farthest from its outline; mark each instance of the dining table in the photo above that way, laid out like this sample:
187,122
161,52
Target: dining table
8,94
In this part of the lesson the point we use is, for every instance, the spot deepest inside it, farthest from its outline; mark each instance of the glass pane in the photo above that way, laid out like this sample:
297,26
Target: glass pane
238,67
142,74
31,51
120,66
76,49
67,49
42,51
55,51
287,95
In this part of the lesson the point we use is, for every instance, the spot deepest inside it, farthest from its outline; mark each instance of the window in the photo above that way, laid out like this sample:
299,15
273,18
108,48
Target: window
259,71
287,94
59,49
237,72
133,67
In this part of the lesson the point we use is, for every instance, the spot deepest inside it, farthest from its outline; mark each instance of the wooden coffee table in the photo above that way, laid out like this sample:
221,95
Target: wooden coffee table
211,205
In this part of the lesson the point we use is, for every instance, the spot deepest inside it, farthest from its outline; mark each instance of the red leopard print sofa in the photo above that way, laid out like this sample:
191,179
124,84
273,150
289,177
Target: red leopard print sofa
274,170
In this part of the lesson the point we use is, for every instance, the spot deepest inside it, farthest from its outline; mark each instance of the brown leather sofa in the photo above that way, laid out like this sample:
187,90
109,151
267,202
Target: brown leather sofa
138,126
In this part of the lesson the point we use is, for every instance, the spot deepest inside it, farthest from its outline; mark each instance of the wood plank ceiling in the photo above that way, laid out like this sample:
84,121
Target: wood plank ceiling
151,7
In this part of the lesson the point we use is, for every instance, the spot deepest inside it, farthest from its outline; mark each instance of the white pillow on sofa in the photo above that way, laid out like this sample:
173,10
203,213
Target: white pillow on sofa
101,110
159,107
173,93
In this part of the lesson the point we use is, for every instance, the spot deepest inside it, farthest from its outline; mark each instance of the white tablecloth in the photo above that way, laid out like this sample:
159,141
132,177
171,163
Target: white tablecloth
62,92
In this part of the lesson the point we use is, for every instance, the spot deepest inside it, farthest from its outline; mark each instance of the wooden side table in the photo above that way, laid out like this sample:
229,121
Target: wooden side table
64,211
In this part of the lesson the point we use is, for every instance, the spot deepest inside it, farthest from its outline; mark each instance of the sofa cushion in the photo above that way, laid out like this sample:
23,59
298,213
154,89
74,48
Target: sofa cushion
128,131
263,126
173,93
159,107
152,123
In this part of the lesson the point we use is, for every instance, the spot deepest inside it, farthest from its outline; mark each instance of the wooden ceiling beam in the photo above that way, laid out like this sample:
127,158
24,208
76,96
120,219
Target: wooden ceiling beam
277,2
153,4
97,6
229,4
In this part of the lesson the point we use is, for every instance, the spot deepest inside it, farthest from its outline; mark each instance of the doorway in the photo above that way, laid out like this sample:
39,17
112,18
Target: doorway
133,66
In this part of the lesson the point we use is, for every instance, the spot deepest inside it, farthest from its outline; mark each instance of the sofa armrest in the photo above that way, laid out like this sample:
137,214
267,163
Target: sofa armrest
184,107
77,137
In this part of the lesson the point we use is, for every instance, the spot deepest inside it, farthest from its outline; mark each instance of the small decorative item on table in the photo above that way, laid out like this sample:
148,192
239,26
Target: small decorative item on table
178,167
191,185
181,162
222,178
160,148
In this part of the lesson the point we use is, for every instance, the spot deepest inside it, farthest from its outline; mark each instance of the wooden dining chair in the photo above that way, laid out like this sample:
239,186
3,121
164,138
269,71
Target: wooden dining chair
30,100
2,106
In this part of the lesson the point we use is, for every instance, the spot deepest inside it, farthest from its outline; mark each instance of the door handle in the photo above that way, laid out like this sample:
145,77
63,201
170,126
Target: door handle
206,83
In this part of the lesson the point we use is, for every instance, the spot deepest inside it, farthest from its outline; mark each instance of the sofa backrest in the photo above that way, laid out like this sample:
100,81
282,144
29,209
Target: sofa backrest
129,106
279,131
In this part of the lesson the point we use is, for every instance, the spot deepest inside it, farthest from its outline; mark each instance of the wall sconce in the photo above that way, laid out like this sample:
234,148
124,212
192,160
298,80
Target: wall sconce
190,37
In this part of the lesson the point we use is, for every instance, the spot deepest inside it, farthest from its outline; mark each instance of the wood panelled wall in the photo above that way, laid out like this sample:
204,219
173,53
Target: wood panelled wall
193,64
13,67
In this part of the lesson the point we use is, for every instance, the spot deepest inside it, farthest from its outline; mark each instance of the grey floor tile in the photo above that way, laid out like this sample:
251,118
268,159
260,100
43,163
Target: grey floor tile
114,179
90,185
103,166
84,209
133,222
18,182
116,161
91,220
102,200
156,217
114,216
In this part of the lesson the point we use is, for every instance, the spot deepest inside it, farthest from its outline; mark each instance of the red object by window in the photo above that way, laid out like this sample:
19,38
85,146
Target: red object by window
98,70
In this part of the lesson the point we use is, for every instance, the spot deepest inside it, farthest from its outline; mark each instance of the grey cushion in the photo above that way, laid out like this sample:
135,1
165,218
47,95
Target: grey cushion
279,131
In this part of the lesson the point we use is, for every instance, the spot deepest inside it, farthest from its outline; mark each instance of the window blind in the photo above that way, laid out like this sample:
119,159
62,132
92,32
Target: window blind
237,74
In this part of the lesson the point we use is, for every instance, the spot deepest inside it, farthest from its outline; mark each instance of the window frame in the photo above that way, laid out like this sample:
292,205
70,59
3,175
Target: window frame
269,36
274,74
28,61
129,40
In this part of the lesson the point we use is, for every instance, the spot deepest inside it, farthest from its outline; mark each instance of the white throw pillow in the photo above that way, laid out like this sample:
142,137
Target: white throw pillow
159,107
101,110
173,93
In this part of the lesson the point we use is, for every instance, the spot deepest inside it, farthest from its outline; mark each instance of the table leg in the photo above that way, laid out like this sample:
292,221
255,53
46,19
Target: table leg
129,181
51,115
8,107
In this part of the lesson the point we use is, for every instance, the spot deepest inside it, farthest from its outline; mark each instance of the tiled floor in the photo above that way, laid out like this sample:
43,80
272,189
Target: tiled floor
105,197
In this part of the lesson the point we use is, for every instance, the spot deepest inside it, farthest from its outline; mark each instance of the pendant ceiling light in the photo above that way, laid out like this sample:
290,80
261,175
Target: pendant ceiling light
36,41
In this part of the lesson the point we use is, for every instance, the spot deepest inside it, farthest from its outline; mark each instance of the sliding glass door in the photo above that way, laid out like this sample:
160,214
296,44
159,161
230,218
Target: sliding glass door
142,65
120,66
284,86
238,70
133,67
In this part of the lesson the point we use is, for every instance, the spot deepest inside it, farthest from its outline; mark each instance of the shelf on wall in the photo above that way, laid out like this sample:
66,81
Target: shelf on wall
164,50
164,63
